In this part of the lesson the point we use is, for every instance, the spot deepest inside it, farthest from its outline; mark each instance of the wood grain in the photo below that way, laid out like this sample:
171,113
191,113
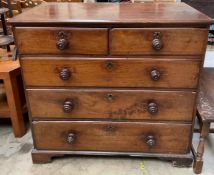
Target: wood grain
90,72
14,105
205,101
43,40
124,104
99,82
112,14
4,108
178,160
112,136
181,41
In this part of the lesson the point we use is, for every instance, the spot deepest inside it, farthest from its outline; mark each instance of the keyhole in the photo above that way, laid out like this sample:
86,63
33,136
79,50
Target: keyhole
109,65
110,97
157,35
110,128
62,34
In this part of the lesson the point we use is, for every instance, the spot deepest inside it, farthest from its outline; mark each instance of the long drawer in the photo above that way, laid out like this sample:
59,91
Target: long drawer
111,104
120,72
62,41
158,41
112,136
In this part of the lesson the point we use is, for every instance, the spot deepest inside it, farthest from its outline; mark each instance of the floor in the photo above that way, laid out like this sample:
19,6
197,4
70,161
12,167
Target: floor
15,157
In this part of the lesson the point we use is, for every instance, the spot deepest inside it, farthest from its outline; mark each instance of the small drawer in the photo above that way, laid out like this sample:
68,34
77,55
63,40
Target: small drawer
62,41
158,41
112,136
111,104
120,72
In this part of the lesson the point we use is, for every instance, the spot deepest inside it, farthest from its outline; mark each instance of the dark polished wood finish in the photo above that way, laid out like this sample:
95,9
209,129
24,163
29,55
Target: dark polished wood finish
112,79
111,104
112,136
50,41
170,41
178,160
90,72
107,14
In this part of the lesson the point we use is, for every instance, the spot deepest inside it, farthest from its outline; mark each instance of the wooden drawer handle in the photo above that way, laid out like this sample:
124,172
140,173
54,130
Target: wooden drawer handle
150,140
65,74
152,108
62,43
157,43
155,75
68,105
71,138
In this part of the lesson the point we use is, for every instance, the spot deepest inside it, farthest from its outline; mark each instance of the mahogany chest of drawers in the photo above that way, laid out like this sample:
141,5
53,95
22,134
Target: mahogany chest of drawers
111,79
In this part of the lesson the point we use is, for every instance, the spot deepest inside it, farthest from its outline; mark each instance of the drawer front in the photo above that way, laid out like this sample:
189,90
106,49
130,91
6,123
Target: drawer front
62,41
112,136
111,104
158,41
165,73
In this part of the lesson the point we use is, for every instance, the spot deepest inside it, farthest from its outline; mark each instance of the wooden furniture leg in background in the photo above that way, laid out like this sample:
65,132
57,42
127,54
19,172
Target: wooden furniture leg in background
14,103
198,162
205,113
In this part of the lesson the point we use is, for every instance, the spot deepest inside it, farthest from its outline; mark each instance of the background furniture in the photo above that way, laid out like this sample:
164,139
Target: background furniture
15,6
205,113
12,100
205,105
124,83
5,39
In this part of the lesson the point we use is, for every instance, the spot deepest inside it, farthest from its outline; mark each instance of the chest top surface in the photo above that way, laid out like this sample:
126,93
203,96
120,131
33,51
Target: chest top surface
111,14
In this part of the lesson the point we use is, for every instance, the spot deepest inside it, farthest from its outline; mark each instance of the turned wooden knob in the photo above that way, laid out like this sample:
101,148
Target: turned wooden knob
150,140
157,43
65,74
62,43
152,108
68,105
71,138
155,75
